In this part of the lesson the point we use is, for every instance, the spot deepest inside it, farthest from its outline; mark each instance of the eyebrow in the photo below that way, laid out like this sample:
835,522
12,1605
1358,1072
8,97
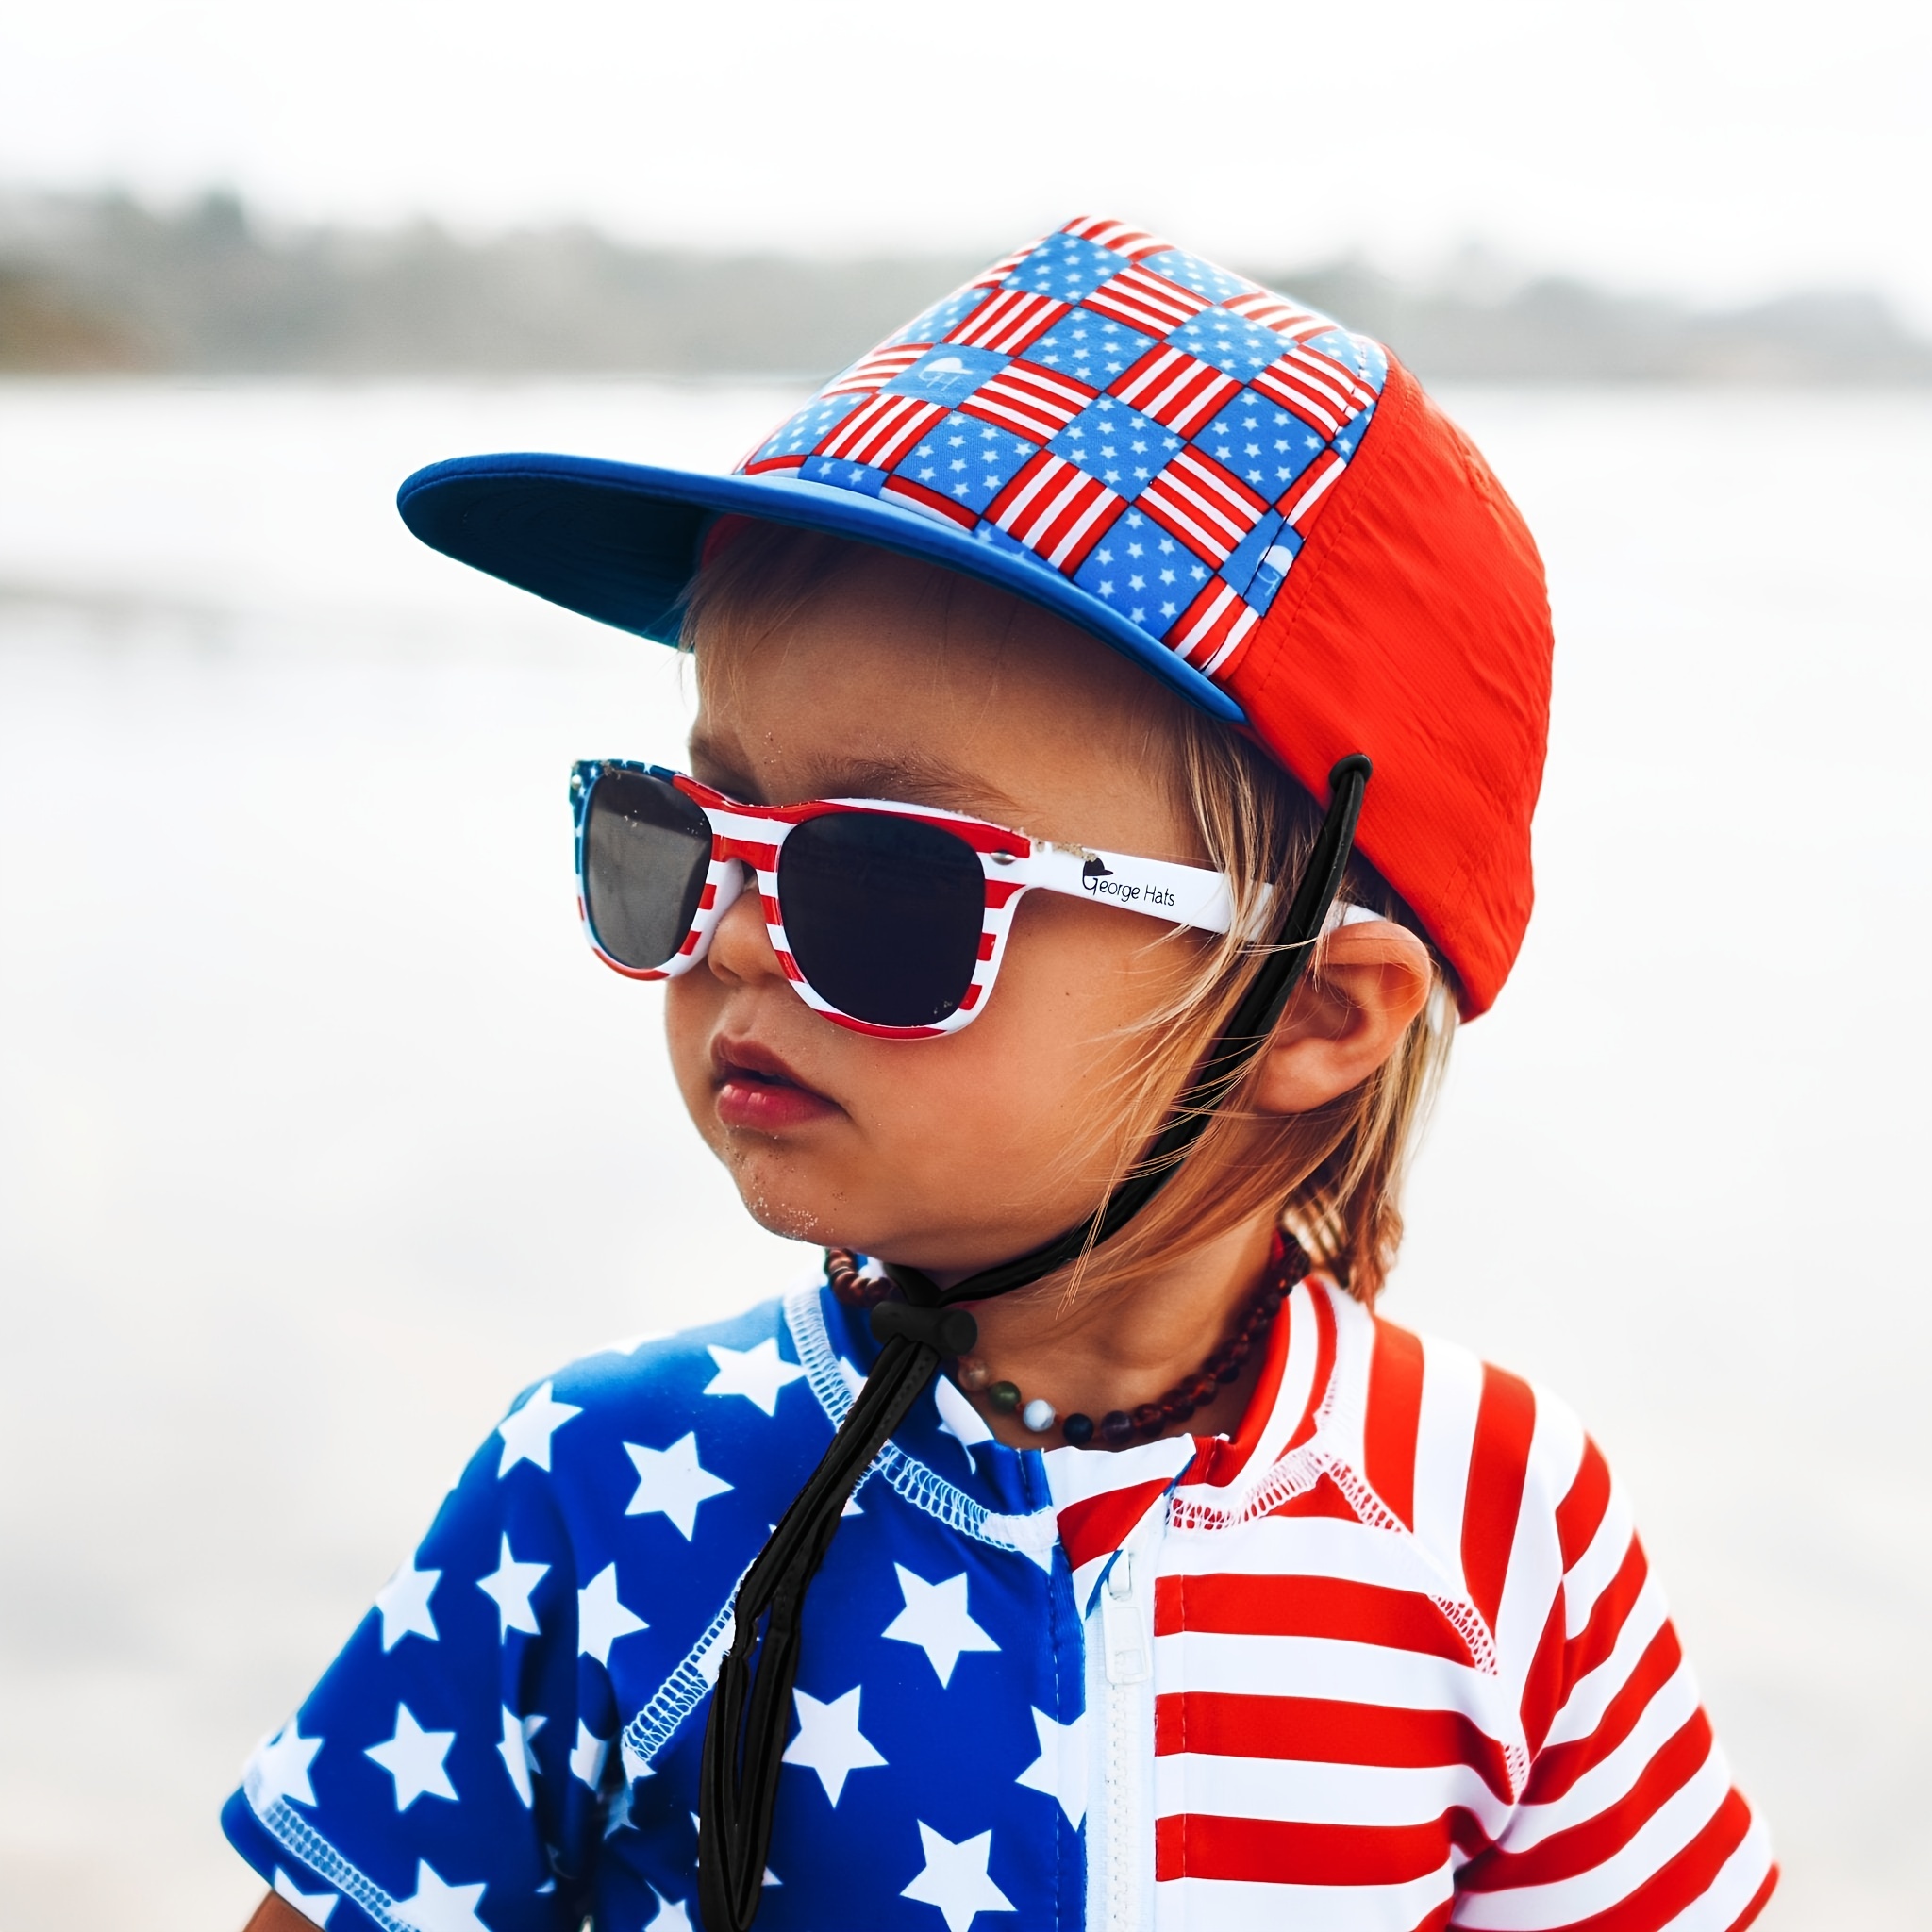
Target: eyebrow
907,779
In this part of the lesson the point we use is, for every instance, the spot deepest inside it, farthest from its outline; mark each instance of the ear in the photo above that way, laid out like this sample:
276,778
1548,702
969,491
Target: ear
1344,1022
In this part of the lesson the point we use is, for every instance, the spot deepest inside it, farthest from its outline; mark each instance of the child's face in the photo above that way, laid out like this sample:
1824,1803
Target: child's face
955,1153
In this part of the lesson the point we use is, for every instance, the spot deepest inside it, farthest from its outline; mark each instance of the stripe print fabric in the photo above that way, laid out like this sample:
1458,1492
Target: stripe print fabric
1411,1668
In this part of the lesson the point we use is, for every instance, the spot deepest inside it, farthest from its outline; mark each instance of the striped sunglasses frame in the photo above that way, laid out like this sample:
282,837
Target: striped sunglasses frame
746,842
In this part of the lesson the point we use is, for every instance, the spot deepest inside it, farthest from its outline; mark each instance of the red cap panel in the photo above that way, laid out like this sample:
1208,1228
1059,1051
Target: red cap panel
1415,626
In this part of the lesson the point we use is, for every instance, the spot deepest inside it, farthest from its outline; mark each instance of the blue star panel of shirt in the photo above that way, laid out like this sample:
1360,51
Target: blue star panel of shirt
966,459
511,1739
1090,349
1125,449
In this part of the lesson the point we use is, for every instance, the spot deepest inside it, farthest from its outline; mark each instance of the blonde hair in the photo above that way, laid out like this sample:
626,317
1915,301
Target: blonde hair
1332,1177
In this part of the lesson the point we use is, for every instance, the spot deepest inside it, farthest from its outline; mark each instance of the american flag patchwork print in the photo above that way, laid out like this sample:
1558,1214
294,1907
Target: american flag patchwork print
1159,430
1392,1657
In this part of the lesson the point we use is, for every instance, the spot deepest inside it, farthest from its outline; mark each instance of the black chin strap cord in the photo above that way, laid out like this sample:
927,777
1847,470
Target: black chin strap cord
750,1706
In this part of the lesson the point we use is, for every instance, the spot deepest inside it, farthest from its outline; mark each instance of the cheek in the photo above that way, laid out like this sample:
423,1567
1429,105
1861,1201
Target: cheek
691,1003
1077,992
985,1141
1104,971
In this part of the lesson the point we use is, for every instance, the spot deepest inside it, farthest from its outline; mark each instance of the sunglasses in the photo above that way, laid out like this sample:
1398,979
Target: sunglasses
889,919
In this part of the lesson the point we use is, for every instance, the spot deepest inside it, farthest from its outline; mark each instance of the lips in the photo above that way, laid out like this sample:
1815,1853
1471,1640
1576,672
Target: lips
757,1092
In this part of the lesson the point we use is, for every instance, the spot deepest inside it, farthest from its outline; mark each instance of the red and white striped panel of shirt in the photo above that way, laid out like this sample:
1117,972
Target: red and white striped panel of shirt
1435,1672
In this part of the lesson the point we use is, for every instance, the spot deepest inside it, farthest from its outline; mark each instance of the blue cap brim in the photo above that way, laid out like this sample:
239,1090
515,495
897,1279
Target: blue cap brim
619,542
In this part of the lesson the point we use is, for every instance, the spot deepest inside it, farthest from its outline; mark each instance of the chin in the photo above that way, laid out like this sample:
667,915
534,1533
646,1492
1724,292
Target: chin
791,1221
799,1201
819,1216
782,1206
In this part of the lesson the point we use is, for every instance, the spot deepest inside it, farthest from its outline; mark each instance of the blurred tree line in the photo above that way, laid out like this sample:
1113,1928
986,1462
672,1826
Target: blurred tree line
106,283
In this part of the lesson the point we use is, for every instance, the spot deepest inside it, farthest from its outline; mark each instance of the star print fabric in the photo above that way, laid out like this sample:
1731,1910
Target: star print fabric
511,1738
1097,395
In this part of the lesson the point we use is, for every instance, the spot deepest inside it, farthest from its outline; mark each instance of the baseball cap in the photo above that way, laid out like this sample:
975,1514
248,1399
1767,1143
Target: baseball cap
1259,507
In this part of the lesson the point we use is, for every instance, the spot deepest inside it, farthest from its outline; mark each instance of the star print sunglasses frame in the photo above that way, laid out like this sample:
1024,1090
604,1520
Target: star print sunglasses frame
887,919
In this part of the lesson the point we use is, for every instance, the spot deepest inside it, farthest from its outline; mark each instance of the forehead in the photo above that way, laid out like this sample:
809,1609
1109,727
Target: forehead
855,610
891,666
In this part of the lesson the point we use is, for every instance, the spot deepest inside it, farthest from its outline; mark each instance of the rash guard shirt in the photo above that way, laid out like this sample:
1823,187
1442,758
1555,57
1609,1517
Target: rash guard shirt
1391,1658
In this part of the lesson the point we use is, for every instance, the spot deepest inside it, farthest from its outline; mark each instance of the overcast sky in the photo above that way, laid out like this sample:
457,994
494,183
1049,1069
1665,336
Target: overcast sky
1722,148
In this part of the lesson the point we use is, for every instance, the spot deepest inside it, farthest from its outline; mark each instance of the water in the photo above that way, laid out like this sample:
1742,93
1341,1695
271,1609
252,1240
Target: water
321,1132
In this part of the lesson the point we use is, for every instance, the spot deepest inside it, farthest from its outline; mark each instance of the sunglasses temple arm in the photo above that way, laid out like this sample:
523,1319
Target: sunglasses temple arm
1178,894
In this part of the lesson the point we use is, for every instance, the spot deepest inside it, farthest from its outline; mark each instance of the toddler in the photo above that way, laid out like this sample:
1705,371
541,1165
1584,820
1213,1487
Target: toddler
1122,704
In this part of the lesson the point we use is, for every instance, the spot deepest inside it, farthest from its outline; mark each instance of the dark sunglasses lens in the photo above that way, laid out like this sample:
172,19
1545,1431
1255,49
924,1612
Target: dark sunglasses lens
646,849
883,915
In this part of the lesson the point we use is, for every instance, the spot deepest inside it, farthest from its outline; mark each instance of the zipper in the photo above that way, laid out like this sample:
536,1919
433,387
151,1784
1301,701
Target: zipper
1120,1679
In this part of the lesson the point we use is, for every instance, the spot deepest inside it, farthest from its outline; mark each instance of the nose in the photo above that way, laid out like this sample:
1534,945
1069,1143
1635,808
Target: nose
741,951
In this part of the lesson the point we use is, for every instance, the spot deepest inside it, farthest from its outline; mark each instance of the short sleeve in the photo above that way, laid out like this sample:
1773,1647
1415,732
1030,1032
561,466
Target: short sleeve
450,1769
1626,1815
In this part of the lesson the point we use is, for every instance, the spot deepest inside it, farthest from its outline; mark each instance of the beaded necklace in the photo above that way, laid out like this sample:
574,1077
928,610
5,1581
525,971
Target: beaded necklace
1287,1265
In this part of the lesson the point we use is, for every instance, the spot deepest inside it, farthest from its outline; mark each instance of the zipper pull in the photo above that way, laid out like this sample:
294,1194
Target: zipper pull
1121,1630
